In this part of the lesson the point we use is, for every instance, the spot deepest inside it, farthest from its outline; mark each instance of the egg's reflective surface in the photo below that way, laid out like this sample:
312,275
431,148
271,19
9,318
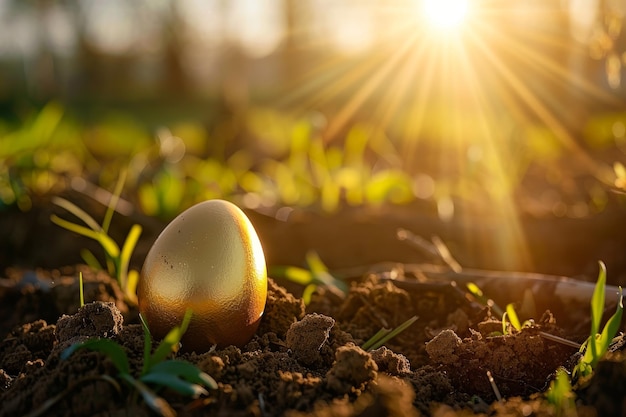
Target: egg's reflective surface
209,259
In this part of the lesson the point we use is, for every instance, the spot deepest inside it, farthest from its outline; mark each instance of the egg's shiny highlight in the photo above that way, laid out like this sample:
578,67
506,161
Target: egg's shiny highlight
208,259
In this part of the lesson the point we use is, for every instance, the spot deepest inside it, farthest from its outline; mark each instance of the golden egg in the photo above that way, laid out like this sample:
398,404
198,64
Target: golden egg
208,259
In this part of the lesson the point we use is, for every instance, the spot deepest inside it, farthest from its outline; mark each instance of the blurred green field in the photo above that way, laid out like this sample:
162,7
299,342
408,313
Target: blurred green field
271,159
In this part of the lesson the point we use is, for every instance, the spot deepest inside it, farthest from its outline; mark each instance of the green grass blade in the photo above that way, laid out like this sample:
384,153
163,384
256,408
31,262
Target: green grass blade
156,403
589,358
560,393
512,315
147,345
598,344
475,290
372,340
73,227
504,316
186,371
80,289
307,293
90,259
115,198
611,328
105,241
597,308
168,380
394,333
293,273
46,122
78,212
132,278
355,144
126,253
320,272
112,265
483,299
315,263
115,352
170,342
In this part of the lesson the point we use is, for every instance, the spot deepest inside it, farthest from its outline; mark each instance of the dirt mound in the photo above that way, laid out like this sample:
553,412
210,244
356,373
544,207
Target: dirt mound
300,362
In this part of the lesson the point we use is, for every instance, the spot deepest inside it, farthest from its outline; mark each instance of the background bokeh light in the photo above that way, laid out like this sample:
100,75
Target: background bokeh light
479,109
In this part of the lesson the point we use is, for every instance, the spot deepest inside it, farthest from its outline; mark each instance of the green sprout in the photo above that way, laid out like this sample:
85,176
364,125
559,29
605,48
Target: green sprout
598,344
560,393
510,316
384,335
117,258
80,289
182,377
317,274
483,299
510,310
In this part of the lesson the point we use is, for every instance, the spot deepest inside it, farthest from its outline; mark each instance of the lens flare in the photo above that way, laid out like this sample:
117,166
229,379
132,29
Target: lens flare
445,14
470,92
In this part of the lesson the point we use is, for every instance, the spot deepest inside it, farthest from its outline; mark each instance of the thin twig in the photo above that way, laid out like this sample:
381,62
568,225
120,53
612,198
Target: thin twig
436,249
560,340
445,254
494,387
567,288
417,242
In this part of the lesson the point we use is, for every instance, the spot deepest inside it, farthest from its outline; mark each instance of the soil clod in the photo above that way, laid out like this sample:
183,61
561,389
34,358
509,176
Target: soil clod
307,337
352,370
97,319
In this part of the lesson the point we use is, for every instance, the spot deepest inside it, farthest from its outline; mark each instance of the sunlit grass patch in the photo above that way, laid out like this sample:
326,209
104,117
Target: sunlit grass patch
157,371
599,341
117,259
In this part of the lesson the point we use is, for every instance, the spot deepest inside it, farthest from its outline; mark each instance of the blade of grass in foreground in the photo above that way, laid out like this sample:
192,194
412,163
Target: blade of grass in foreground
115,352
170,342
127,251
78,212
597,309
115,198
384,335
107,243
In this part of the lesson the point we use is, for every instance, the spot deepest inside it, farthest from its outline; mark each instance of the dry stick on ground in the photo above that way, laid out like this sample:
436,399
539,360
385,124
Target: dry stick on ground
437,249
567,289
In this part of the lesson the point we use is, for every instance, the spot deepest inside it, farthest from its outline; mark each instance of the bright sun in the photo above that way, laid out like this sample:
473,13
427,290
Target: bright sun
445,14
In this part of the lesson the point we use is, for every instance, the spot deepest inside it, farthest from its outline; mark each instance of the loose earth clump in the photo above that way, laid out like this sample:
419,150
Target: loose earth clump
520,364
302,361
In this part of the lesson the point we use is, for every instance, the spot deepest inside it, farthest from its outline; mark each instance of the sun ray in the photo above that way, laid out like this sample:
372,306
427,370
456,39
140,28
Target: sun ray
389,105
511,246
327,82
419,106
365,91
457,104
544,65
542,112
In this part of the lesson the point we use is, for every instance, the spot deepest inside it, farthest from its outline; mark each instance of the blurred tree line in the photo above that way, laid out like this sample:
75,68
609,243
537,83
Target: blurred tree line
89,50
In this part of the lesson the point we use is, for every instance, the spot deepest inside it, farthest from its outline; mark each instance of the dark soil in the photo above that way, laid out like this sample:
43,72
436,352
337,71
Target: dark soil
307,360
302,360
